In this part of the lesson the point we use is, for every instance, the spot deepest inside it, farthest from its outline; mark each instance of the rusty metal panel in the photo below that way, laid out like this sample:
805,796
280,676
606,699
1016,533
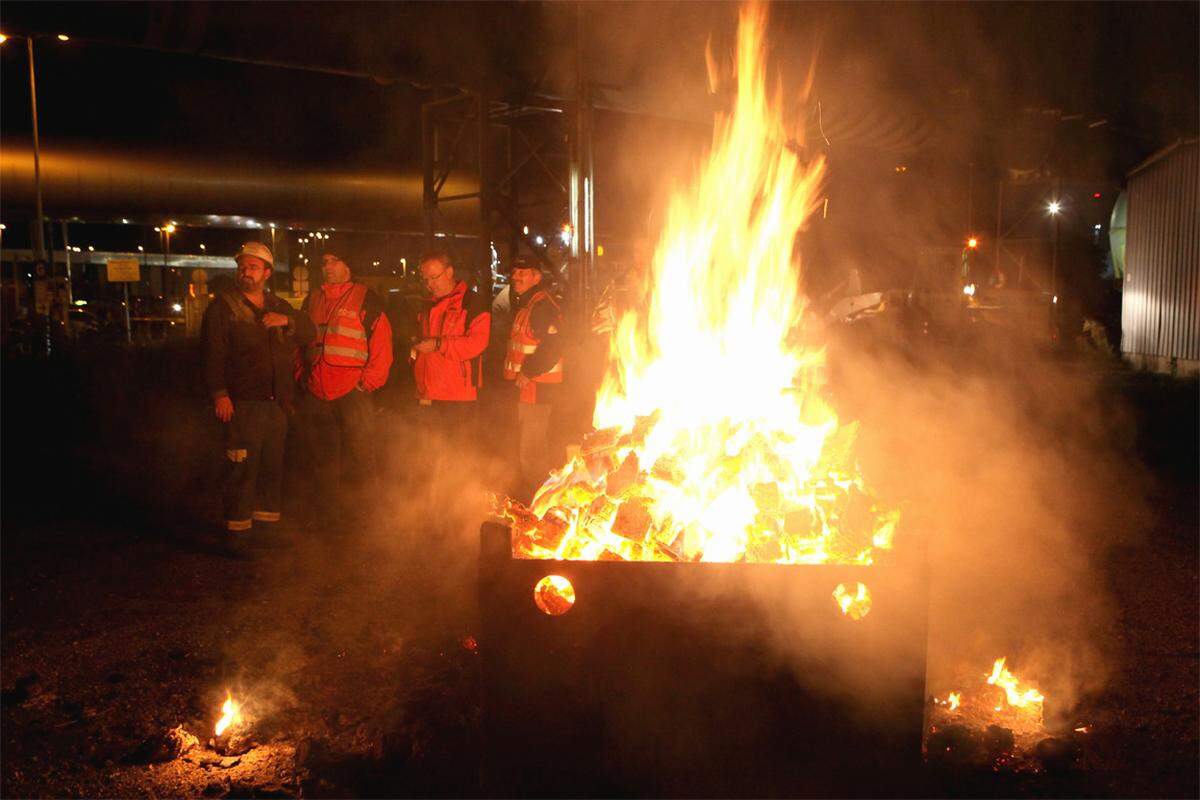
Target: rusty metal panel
1160,311
700,679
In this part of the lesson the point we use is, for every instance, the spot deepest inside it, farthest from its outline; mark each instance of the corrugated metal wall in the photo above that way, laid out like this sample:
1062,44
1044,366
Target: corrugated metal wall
1160,308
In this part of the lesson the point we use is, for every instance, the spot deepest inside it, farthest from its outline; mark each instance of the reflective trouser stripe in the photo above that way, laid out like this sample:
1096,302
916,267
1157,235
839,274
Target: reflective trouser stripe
238,524
267,516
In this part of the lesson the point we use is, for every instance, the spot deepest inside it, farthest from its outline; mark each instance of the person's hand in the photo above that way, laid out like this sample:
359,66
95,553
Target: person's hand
273,319
224,408
425,346
522,381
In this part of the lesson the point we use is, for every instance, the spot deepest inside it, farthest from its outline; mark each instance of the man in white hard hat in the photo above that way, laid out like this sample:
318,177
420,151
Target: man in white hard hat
251,341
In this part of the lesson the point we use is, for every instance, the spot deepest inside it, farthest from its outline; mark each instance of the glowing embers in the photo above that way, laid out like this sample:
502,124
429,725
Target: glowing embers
229,715
554,595
854,601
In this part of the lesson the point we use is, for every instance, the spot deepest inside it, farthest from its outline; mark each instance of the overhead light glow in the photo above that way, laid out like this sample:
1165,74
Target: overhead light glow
62,37
1054,207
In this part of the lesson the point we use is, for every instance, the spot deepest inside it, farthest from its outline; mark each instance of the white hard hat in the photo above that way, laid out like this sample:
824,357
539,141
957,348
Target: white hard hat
258,250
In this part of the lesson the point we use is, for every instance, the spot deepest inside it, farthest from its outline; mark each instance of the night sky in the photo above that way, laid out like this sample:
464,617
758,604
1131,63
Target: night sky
1084,90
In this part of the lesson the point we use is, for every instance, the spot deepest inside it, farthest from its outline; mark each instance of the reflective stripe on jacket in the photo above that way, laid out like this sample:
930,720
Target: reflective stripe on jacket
522,342
341,338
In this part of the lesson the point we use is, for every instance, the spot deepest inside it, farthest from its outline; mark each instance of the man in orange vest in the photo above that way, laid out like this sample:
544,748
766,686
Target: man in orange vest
447,359
349,359
534,363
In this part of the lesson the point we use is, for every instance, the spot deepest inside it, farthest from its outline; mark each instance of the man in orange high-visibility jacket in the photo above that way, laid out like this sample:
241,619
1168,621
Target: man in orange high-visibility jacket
455,325
534,362
350,358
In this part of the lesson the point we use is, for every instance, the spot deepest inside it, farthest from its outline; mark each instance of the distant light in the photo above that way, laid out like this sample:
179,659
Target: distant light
157,229
62,37
77,250
539,240
170,228
3,38
202,247
141,249
599,249
1096,196
124,221
1054,299
525,230
972,243
1054,207
969,290
3,227
404,263
1096,226
272,224
176,307
901,168
91,249
81,302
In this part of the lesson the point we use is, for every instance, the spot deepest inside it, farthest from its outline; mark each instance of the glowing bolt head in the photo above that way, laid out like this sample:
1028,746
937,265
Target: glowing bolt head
554,595
853,601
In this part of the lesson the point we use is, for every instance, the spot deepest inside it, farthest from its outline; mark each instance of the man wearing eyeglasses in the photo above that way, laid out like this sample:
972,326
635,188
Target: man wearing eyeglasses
447,360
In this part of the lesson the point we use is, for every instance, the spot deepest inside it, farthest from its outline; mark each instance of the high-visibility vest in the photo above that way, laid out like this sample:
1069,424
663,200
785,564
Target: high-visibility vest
522,342
341,337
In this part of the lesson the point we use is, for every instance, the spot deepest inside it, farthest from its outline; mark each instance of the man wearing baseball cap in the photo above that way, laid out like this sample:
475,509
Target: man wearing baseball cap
251,340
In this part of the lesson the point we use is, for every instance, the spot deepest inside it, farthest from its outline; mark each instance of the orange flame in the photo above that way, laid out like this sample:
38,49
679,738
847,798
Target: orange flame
714,440
229,714
1016,697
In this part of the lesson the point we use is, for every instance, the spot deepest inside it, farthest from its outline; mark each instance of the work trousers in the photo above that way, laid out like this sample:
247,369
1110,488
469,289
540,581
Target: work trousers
339,447
254,440
534,455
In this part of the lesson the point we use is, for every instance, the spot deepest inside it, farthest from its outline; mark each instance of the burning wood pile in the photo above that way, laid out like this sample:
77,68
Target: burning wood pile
714,438
998,724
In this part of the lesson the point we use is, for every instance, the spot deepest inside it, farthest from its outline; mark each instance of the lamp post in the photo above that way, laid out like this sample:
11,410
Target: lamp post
39,239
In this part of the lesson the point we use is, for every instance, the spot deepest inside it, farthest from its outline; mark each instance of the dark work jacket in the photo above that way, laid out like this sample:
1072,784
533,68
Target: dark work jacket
546,322
246,360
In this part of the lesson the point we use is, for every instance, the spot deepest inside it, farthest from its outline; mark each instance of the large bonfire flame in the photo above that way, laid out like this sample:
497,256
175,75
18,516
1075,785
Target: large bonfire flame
713,441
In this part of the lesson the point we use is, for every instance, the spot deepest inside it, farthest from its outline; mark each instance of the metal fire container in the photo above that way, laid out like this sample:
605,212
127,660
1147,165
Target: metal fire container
682,679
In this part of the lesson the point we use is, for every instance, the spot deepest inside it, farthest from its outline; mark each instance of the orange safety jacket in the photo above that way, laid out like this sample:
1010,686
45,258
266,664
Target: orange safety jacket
522,342
341,338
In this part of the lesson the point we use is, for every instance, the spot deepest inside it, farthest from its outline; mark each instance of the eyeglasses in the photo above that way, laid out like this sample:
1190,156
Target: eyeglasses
432,278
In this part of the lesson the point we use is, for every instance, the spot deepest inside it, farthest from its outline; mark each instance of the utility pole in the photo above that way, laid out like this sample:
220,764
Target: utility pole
39,241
